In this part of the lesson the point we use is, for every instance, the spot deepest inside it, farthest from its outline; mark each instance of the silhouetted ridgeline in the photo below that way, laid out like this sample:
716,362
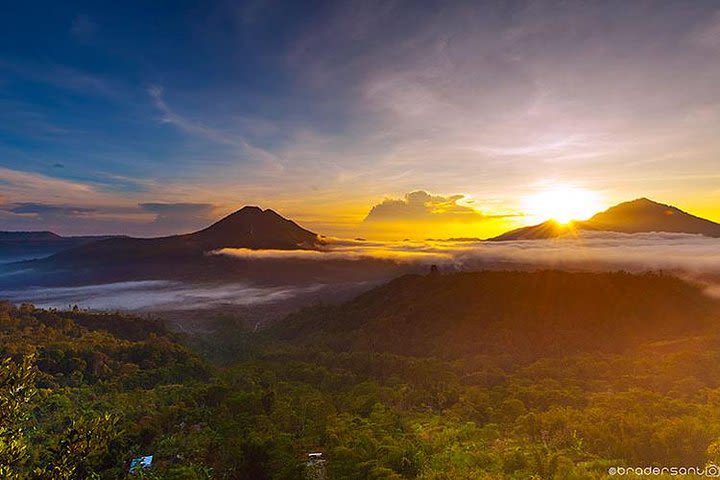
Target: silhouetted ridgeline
249,227
636,216
519,313
39,244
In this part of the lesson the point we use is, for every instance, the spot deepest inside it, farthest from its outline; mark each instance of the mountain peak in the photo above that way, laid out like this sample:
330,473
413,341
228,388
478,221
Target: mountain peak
645,215
642,202
634,216
255,211
253,227
250,209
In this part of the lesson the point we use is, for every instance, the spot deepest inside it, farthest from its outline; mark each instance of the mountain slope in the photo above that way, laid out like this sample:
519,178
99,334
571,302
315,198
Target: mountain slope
190,258
39,244
252,227
521,314
547,229
644,215
249,227
636,216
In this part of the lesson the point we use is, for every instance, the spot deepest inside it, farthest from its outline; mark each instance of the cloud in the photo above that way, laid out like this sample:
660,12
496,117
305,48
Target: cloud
708,34
216,135
185,124
420,206
152,218
502,94
177,208
62,76
71,219
360,251
46,211
159,295
174,217
693,255
26,183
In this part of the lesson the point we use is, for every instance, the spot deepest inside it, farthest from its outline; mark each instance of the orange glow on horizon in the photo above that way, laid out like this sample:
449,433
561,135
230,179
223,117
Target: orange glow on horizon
563,204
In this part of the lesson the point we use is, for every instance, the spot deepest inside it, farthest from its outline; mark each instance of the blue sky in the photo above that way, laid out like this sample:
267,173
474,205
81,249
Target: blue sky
154,117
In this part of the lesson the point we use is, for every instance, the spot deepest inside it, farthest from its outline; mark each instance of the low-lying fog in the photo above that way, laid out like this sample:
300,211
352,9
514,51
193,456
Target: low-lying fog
692,256
601,250
154,295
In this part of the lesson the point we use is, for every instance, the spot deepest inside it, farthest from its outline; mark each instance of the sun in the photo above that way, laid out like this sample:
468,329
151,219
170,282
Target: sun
563,204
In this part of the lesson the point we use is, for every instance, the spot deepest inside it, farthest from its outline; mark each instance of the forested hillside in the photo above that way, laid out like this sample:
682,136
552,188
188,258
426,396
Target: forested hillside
524,315
96,390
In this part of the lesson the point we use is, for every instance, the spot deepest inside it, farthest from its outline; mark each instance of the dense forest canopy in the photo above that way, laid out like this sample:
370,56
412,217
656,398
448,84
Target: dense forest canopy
468,376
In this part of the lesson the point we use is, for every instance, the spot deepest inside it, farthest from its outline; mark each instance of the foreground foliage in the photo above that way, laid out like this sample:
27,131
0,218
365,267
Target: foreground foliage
84,393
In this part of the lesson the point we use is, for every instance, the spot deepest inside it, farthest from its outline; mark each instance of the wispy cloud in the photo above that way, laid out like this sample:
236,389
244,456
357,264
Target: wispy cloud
360,100
66,77
45,210
156,295
707,34
34,201
29,183
212,134
180,217
480,99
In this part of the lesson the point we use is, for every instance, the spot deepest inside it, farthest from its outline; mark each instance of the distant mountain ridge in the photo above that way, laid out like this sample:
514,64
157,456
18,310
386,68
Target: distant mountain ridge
36,244
30,236
250,227
636,216
192,258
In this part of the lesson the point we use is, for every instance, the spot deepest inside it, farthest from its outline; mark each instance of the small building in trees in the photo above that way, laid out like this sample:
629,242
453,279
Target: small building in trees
315,467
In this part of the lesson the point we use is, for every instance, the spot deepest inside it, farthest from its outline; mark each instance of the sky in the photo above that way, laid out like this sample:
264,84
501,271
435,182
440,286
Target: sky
354,118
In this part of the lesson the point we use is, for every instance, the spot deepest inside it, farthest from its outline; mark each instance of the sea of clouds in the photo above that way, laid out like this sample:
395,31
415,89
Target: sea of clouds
694,257
592,250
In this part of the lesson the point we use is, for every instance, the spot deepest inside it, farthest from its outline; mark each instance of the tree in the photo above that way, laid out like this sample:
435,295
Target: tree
17,389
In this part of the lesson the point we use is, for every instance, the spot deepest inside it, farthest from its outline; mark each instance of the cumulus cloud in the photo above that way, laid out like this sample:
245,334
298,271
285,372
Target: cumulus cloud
420,206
